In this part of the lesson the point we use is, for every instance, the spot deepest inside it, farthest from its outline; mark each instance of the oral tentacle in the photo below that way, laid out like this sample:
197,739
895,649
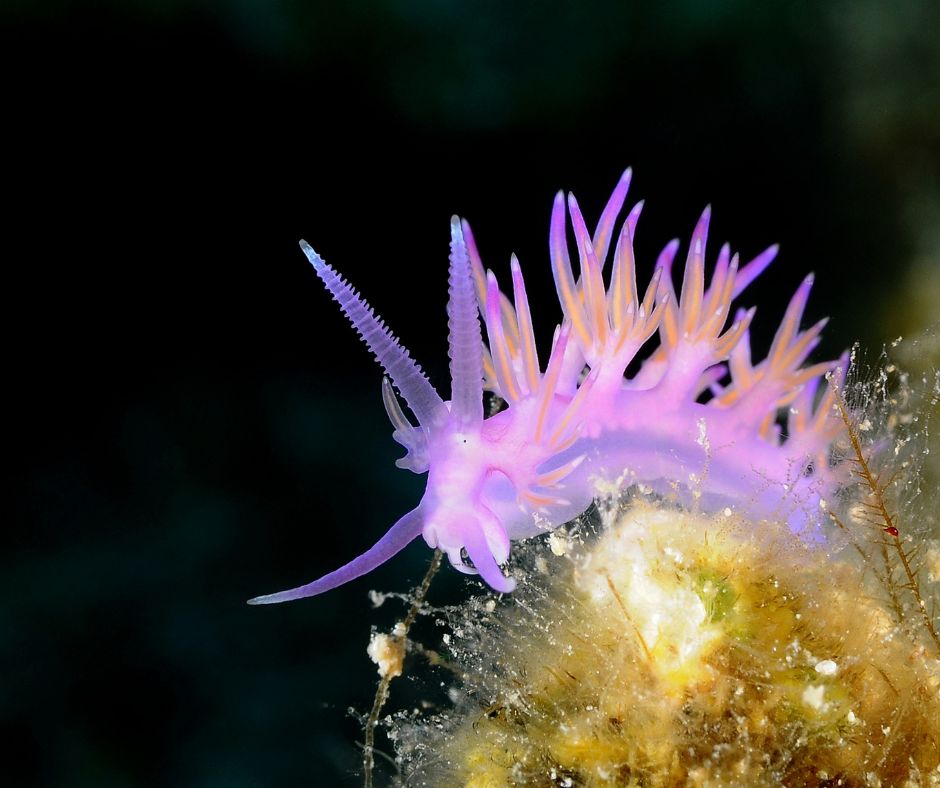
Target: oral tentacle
396,539
483,560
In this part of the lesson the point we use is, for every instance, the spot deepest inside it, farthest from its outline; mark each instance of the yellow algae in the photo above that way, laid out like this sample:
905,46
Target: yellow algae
679,649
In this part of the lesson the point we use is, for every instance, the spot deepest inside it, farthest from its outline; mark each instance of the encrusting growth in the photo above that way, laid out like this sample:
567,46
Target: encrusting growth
673,648
654,644
875,508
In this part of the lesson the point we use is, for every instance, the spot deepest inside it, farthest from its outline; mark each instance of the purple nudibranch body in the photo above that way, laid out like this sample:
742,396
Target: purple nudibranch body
698,420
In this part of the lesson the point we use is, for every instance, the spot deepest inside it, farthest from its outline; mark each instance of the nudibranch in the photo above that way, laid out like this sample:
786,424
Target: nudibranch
699,420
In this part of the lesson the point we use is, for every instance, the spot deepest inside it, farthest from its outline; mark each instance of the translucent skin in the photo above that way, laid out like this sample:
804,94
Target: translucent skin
698,420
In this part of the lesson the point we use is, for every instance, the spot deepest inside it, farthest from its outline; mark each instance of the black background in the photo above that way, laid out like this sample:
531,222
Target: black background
190,422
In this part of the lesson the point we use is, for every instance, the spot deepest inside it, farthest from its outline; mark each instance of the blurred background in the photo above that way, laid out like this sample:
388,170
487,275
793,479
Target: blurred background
190,422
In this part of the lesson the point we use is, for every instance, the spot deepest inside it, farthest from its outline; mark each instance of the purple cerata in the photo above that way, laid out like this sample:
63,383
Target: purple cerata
698,421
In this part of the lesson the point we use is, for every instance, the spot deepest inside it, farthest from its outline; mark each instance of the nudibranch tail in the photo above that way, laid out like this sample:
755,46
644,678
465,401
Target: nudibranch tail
398,537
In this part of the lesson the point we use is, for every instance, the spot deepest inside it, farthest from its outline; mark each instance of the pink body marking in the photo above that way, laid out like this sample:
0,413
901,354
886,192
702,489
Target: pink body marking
698,420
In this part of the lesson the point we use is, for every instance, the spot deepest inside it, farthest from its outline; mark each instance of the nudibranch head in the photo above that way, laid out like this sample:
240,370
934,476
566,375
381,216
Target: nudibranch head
699,420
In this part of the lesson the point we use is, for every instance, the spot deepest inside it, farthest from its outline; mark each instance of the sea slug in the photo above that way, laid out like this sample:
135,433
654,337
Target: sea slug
699,420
